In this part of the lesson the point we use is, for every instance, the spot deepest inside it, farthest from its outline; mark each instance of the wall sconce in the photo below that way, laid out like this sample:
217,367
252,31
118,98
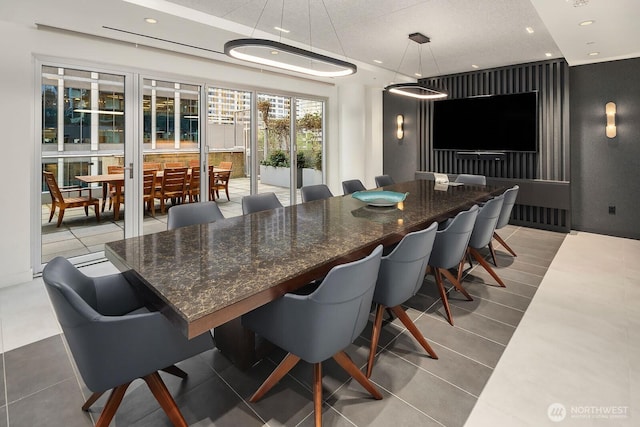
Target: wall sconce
400,126
610,109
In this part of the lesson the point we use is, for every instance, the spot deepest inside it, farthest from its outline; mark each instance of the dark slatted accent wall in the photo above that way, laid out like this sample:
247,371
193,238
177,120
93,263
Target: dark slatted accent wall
551,80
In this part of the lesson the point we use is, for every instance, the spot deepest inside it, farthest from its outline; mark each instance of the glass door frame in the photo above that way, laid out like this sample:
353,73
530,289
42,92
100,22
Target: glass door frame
130,129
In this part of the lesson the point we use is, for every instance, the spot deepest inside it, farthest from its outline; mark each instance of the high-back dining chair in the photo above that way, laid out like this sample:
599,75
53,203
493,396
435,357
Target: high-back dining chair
218,180
58,200
471,179
483,233
173,186
320,325
510,196
260,202
352,185
448,252
193,189
192,213
114,339
384,180
149,190
401,275
315,192
226,165
111,170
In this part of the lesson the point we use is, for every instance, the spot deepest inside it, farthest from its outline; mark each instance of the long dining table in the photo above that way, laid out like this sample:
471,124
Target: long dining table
207,276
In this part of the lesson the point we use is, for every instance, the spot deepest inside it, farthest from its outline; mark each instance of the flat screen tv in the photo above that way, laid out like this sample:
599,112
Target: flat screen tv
487,123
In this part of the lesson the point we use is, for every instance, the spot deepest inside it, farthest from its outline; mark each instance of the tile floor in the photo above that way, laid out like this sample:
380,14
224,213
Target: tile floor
563,332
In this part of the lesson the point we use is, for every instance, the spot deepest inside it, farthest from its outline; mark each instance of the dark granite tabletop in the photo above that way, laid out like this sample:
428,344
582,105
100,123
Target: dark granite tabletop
204,275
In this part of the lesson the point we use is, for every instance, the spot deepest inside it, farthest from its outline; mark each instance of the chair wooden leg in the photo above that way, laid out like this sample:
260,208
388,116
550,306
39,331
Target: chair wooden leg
226,190
493,254
285,366
503,243
455,283
317,393
164,398
60,215
375,336
486,266
112,405
443,295
96,208
86,210
348,365
174,370
91,400
53,210
408,323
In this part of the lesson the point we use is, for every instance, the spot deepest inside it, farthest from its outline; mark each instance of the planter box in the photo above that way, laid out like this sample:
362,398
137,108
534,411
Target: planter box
311,176
278,176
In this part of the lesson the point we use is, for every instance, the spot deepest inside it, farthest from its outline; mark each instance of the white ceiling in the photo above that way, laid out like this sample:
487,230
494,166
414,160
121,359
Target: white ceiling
486,33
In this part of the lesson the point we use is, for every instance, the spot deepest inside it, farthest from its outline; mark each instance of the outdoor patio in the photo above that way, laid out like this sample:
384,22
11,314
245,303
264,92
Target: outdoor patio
80,235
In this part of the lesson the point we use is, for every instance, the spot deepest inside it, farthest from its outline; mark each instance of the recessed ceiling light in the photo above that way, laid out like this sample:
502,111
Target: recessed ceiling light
590,43
594,53
282,30
529,30
474,66
377,61
548,54
417,74
585,23
150,20
274,52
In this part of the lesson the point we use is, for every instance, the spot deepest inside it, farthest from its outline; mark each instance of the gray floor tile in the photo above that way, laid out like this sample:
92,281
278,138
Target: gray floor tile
3,397
363,410
497,294
444,402
485,307
3,416
35,367
57,405
512,286
464,342
450,366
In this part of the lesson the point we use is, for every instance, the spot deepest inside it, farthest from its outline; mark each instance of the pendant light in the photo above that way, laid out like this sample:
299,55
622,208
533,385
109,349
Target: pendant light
417,90
287,57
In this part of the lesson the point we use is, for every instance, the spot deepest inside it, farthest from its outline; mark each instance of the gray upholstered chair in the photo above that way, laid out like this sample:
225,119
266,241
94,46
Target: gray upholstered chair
401,275
315,192
114,339
471,179
448,252
384,180
352,185
320,325
260,202
192,213
505,213
482,234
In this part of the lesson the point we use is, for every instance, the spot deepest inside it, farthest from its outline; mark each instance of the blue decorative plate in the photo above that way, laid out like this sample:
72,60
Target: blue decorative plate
379,198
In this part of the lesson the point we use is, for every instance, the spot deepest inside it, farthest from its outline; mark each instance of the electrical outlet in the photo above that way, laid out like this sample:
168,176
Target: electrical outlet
612,210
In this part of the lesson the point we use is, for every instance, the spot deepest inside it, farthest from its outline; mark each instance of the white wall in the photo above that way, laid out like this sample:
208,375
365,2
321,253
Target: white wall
20,45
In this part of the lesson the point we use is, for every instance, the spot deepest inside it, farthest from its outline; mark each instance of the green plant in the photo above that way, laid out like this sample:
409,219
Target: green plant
277,158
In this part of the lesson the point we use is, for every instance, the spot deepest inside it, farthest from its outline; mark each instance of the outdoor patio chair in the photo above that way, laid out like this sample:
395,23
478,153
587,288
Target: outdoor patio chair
58,200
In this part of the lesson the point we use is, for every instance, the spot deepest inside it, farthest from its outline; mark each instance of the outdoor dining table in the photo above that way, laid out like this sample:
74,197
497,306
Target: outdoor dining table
207,276
117,180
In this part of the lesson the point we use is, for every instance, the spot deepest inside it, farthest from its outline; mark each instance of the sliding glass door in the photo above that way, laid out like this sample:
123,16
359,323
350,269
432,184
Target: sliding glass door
83,118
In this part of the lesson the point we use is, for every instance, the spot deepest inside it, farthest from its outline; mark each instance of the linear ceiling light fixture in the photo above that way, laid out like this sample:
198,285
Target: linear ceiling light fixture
280,55
417,90
287,57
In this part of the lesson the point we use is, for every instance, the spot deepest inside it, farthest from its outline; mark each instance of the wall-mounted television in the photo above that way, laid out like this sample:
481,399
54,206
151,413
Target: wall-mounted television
487,123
